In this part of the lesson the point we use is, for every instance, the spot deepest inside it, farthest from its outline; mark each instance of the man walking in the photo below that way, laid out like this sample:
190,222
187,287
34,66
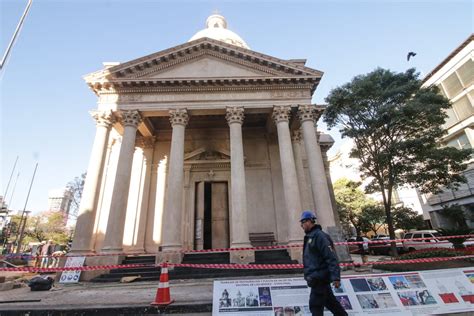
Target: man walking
320,267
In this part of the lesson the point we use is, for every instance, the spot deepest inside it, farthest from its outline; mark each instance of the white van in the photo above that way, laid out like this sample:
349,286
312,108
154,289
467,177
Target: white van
431,240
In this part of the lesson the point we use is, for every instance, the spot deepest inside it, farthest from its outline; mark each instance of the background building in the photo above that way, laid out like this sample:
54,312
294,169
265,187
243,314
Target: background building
454,76
59,200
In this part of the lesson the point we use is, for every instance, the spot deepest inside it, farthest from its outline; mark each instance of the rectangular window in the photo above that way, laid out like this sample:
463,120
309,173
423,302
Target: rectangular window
463,108
466,73
451,119
452,85
460,142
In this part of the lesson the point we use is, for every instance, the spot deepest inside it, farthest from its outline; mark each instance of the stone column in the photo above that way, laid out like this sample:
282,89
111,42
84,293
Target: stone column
290,180
172,222
305,198
118,207
240,232
309,115
319,185
148,145
84,233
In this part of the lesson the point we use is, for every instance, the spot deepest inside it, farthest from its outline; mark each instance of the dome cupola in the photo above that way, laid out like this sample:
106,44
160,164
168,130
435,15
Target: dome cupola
216,28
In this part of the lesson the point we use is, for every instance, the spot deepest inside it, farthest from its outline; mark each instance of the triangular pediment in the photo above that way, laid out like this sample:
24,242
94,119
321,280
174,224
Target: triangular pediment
205,154
206,66
204,58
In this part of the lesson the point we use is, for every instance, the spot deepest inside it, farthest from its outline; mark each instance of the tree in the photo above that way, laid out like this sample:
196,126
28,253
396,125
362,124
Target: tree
48,225
76,187
405,218
396,126
350,201
372,218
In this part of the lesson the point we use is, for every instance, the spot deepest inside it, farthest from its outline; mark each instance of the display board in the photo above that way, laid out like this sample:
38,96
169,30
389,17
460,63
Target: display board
397,294
72,276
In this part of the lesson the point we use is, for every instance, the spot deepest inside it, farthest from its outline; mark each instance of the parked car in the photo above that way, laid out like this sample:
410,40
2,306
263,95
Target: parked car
354,249
383,248
432,240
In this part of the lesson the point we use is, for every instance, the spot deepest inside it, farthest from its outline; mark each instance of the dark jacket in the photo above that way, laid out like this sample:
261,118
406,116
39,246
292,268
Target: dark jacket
319,259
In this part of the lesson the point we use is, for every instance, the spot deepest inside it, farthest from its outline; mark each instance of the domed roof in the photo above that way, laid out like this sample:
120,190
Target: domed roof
216,28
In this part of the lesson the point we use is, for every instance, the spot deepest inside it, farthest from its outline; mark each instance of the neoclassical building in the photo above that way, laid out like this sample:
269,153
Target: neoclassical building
200,146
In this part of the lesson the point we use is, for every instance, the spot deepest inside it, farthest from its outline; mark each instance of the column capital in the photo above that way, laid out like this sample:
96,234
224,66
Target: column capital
130,118
296,136
281,113
179,117
235,114
146,142
103,118
309,112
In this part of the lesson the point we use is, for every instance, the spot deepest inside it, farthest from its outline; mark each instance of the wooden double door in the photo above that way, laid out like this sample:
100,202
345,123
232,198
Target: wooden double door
212,215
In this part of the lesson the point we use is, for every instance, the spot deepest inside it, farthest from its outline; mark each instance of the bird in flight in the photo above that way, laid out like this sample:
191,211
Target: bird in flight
410,54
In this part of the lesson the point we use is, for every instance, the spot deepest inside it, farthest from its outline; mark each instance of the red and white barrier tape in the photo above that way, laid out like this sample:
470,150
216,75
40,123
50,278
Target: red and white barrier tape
385,242
229,266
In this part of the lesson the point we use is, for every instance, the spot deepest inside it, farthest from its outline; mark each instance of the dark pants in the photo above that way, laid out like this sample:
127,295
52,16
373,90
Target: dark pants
322,296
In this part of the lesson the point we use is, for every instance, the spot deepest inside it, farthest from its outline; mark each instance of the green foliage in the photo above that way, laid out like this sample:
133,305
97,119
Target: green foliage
350,200
372,218
437,252
49,225
405,218
396,126
456,241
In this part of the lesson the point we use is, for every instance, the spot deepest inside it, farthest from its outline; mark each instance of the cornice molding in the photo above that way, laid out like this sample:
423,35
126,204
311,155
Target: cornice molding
181,53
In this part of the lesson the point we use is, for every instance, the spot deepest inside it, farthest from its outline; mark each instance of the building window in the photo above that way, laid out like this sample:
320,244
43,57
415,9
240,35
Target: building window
463,108
460,142
466,73
451,119
452,85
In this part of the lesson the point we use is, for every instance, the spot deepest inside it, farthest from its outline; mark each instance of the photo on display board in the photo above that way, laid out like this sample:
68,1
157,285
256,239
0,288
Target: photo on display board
338,290
470,276
344,301
251,299
367,301
414,281
376,284
289,311
360,285
239,300
278,311
224,300
385,300
399,282
264,296
413,298
448,298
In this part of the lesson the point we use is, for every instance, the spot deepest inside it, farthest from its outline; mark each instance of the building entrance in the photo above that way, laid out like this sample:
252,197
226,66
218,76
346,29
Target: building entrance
212,215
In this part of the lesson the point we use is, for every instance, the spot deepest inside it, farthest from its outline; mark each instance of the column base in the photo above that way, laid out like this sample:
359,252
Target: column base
169,257
296,253
242,256
342,251
99,261
244,244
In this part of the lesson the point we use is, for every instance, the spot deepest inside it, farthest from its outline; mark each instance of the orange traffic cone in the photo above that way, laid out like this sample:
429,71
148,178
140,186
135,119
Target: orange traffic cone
163,293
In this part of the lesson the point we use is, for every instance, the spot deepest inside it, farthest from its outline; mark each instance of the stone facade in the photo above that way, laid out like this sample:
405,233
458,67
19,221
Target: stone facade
194,150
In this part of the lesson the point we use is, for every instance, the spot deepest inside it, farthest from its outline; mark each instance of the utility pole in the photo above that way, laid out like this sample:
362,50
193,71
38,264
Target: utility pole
15,34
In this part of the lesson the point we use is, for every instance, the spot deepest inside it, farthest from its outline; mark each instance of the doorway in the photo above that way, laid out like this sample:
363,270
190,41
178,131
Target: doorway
212,215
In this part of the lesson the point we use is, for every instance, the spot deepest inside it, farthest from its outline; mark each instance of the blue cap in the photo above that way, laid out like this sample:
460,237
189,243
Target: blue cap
307,215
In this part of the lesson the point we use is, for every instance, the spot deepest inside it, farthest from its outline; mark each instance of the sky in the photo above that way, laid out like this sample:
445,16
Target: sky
44,101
